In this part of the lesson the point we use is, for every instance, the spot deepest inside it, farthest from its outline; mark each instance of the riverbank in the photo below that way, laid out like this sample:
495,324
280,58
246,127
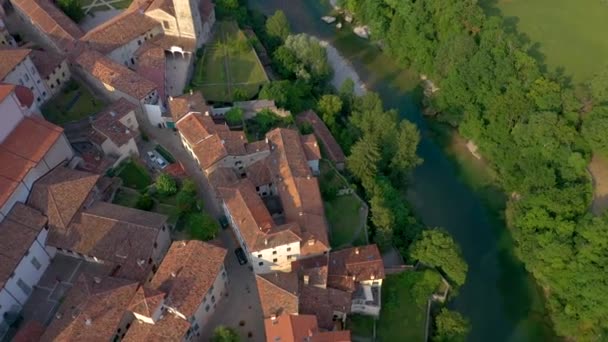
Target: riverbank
343,70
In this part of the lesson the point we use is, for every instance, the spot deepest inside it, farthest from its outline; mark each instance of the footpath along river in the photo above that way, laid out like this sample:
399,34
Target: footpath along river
500,298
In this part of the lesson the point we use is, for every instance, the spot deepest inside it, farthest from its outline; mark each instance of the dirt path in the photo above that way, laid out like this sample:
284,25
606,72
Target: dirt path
598,168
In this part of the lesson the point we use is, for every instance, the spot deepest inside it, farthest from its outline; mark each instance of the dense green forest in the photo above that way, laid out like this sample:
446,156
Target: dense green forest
537,130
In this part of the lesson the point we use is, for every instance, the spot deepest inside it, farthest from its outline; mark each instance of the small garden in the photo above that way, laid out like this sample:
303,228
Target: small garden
263,122
178,200
73,103
404,305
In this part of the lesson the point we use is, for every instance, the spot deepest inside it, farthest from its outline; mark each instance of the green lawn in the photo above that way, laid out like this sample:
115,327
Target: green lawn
360,326
62,109
343,216
570,34
404,304
134,175
229,68
125,198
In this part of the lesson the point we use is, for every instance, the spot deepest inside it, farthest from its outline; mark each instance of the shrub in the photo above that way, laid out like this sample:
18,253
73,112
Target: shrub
165,185
144,202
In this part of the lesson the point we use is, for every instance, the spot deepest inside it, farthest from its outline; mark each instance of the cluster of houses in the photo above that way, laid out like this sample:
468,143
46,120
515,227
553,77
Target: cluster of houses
145,286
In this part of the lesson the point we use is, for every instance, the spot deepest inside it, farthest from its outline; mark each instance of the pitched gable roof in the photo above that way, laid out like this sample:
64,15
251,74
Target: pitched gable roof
10,58
187,273
91,310
278,293
331,146
146,300
169,329
60,194
356,264
107,122
181,105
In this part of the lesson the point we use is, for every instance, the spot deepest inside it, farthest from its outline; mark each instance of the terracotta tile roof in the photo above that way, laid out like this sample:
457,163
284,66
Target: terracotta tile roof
117,235
116,75
322,302
248,212
7,187
222,177
196,127
163,5
91,311
311,148
297,328
331,146
18,231
151,56
361,263
51,21
290,328
5,90
31,331
315,268
233,141
179,106
14,167
9,58
257,146
40,135
169,329
46,61
119,31
107,122
187,273
332,336
146,301
278,293
258,173
60,194
288,153
167,42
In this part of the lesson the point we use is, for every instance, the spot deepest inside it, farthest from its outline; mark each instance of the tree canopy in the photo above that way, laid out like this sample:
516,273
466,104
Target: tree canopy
72,8
201,226
234,116
165,185
436,248
451,326
595,129
277,26
225,334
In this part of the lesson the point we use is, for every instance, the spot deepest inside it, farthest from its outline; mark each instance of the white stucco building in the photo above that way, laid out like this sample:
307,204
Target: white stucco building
16,67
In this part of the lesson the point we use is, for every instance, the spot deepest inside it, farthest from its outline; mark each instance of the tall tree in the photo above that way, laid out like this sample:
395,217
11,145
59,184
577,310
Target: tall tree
329,106
595,129
277,26
363,160
436,248
225,334
451,326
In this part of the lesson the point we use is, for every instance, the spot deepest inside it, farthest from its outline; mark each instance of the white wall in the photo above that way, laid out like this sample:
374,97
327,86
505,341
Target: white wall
19,195
122,152
11,115
314,166
285,254
60,152
26,74
154,115
130,120
125,54
58,78
201,316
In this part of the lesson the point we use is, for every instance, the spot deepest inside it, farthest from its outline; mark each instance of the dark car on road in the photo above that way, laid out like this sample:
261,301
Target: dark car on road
224,222
240,255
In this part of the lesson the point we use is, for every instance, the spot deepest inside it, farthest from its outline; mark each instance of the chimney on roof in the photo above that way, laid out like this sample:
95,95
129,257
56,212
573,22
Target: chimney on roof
273,318
357,251
372,277
173,274
223,141
267,140
315,144
265,242
58,315
182,244
170,98
97,280
140,262
127,131
301,213
306,279
88,321
354,278
206,113
190,91
112,113
307,176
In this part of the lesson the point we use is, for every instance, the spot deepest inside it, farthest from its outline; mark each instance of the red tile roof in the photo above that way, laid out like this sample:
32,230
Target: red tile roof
40,134
51,21
146,301
164,5
10,58
278,293
117,235
91,311
107,122
323,302
297,328
332,336
259,173
333,149
46,62
187,273
196,127
311,148
60,194
116,75
119,31
18,231
169,329
356,264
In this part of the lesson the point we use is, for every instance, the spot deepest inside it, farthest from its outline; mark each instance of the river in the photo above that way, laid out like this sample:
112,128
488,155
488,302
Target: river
500,298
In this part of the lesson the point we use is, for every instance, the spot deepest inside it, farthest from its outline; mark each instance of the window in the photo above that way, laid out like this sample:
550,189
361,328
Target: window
289,257
289,249
274,252
260,263
149,260
166,24
212,299
52,86
274,260
27,252
38,99
26,77
207,308
224,275
155,245
36,263
44,93
211,289
196,327
139,42
62,75
24,287
257,188
259,255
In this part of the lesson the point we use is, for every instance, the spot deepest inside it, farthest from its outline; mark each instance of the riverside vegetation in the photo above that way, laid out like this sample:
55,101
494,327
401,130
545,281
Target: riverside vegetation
537,131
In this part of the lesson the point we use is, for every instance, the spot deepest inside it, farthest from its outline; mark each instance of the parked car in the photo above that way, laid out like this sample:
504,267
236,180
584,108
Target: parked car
161,162
224,222
240,255
152,156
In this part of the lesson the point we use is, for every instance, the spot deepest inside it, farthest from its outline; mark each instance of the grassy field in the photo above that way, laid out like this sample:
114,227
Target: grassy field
125,198
360,326
570,34
229,69
404,304
343,216
64,107
134,175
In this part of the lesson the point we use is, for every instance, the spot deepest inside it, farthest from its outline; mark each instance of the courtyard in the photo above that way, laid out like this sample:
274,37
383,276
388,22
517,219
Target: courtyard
73,103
